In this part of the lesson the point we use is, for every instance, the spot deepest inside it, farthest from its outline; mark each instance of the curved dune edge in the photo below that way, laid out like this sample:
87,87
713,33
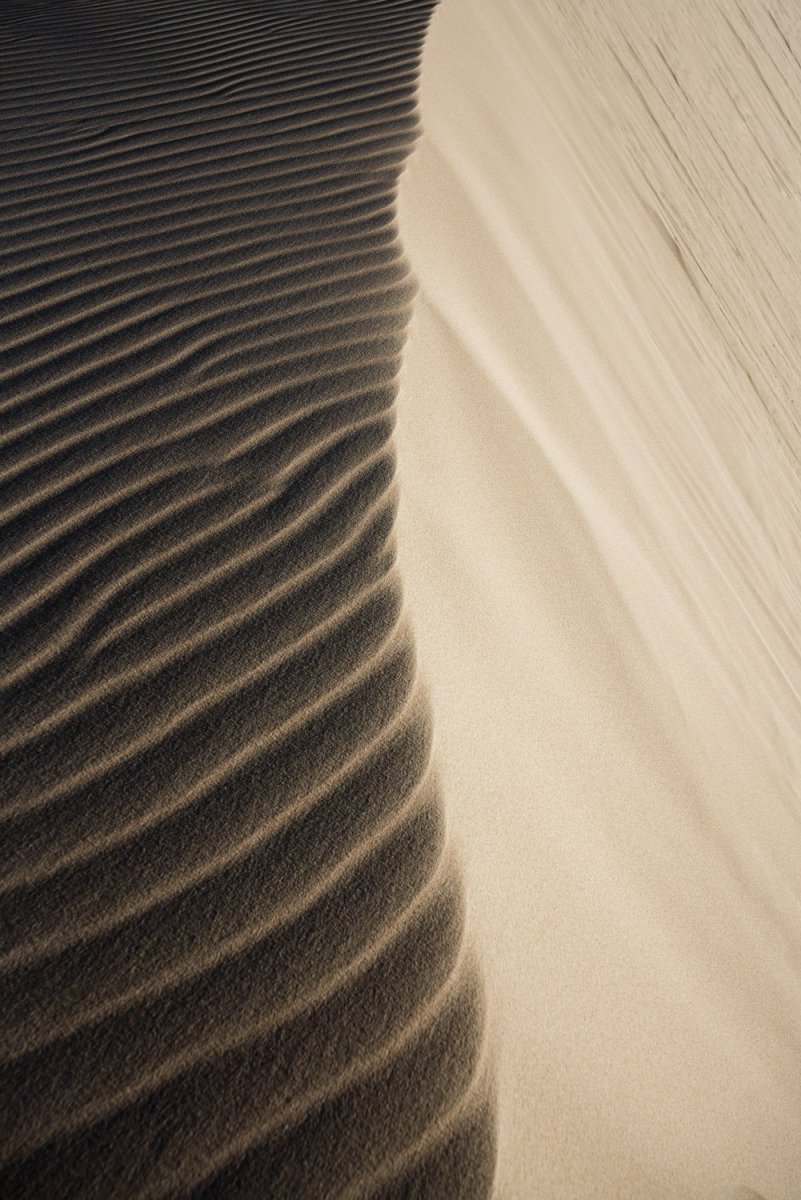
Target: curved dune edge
233,952
599,543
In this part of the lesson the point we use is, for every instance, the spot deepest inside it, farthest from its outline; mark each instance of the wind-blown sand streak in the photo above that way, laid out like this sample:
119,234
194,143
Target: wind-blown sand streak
233,952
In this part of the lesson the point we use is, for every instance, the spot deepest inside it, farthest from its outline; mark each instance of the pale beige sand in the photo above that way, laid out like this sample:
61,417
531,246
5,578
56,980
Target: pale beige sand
599,545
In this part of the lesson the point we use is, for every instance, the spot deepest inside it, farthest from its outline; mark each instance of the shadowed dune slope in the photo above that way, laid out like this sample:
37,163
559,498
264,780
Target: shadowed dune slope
232,940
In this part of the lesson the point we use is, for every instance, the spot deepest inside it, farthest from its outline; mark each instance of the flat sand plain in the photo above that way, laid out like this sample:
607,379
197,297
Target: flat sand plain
599,544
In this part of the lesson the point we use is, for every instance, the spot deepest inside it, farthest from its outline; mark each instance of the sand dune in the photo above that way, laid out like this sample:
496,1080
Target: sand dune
237,955
598,534
233,956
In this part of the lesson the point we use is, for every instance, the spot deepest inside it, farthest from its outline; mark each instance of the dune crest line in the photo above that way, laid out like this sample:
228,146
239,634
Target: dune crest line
232,948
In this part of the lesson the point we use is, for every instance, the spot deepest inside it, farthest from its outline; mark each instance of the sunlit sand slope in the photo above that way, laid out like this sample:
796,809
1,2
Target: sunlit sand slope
598,535
233,959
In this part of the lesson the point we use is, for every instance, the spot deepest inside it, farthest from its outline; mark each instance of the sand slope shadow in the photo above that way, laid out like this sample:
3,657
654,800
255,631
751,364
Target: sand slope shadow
232,954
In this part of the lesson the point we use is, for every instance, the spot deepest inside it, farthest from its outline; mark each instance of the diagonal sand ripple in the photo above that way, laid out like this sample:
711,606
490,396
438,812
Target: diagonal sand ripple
233,948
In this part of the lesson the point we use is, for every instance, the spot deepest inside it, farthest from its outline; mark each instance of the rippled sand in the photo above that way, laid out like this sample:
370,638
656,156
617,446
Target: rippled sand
233,955
283,914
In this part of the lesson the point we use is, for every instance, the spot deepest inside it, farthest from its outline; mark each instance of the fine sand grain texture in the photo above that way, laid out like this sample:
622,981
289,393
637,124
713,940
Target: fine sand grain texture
598,536
233,954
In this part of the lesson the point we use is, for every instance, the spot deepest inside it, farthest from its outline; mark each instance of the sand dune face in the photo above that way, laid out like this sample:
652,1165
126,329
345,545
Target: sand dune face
233,951
706,107
599,542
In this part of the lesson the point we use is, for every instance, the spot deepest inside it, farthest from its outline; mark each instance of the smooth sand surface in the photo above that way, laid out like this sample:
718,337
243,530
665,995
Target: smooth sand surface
599,543
233,960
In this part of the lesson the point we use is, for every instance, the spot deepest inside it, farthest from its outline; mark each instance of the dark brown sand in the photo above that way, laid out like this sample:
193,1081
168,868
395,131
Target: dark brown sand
233,960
